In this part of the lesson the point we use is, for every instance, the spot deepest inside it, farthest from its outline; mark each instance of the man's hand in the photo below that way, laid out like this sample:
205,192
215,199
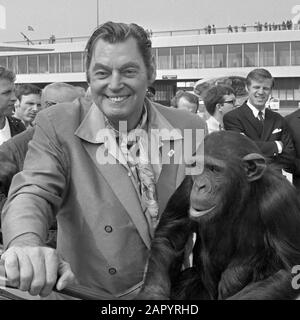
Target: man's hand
36,269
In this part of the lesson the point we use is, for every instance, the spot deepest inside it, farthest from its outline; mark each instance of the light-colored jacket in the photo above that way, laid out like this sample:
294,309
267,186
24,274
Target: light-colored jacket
102,231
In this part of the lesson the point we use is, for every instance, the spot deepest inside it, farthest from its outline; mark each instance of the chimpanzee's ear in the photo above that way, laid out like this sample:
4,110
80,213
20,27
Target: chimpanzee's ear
255,165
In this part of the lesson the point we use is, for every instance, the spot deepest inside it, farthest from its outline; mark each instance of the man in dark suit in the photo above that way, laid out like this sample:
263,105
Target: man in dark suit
9,126
293,121
267,128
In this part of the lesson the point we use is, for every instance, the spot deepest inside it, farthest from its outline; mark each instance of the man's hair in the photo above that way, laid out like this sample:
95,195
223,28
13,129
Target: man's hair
7,74
190,97
259,74
215,95
113,32
26,89
67,93
61,85
151,90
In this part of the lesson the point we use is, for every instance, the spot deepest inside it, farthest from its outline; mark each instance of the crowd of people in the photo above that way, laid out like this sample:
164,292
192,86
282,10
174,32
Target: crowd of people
263,127
268,26
70,165
257,26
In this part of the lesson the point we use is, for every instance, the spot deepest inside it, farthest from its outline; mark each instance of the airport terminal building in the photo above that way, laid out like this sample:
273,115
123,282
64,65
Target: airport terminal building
182,58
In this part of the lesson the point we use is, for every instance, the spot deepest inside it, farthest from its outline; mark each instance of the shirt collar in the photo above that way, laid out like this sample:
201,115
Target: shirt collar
255,111
5,132
213,124
141,125
93,128
6,124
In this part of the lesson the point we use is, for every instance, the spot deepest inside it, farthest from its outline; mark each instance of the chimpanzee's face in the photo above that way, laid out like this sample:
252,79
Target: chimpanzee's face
231,163
207,192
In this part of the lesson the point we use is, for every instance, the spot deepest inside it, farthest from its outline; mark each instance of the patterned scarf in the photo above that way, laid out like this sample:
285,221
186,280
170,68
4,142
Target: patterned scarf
135,150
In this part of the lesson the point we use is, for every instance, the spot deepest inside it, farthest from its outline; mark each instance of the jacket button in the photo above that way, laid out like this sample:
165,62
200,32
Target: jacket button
112,271
108,229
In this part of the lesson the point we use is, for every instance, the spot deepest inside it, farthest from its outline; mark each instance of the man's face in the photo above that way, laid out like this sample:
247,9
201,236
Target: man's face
28,107
119,80
184,104
259,92
7,97
228,104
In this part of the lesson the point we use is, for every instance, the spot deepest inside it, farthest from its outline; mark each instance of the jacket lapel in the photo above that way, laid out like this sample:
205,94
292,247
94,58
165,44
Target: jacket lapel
16,126
115,174
170,142
171,176
174,154
252,121
166,183
268,125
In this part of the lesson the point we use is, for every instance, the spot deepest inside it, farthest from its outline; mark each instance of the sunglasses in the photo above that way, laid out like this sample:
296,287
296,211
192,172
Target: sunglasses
230,102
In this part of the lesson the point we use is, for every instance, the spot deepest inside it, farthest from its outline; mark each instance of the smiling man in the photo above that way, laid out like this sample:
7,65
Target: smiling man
266,127
107,212
29,103
9,126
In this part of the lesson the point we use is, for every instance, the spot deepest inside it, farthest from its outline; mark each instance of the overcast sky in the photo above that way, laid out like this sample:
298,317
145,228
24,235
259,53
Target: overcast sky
66,18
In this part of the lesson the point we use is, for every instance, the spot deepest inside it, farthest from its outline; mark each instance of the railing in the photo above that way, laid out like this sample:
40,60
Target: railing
202,31
74,291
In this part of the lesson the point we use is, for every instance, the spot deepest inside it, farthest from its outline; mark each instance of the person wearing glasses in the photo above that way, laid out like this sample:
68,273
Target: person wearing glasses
218,100
268,129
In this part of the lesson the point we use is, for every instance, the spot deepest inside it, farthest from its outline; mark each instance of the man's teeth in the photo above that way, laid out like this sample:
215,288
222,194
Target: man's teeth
117,99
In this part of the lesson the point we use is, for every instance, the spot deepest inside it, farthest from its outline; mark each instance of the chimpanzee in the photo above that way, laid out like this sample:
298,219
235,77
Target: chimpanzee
246,217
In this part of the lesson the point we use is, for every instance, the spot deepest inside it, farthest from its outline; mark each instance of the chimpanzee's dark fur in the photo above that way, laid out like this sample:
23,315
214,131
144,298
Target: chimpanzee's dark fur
246,248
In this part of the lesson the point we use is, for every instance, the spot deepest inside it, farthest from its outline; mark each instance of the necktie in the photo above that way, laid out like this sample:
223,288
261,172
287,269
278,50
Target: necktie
261,122
260,116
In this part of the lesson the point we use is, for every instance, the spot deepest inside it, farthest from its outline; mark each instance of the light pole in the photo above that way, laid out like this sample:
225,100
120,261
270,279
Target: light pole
97,13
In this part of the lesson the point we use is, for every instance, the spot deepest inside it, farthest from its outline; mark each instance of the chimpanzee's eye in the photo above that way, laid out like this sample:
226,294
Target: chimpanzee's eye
213,168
